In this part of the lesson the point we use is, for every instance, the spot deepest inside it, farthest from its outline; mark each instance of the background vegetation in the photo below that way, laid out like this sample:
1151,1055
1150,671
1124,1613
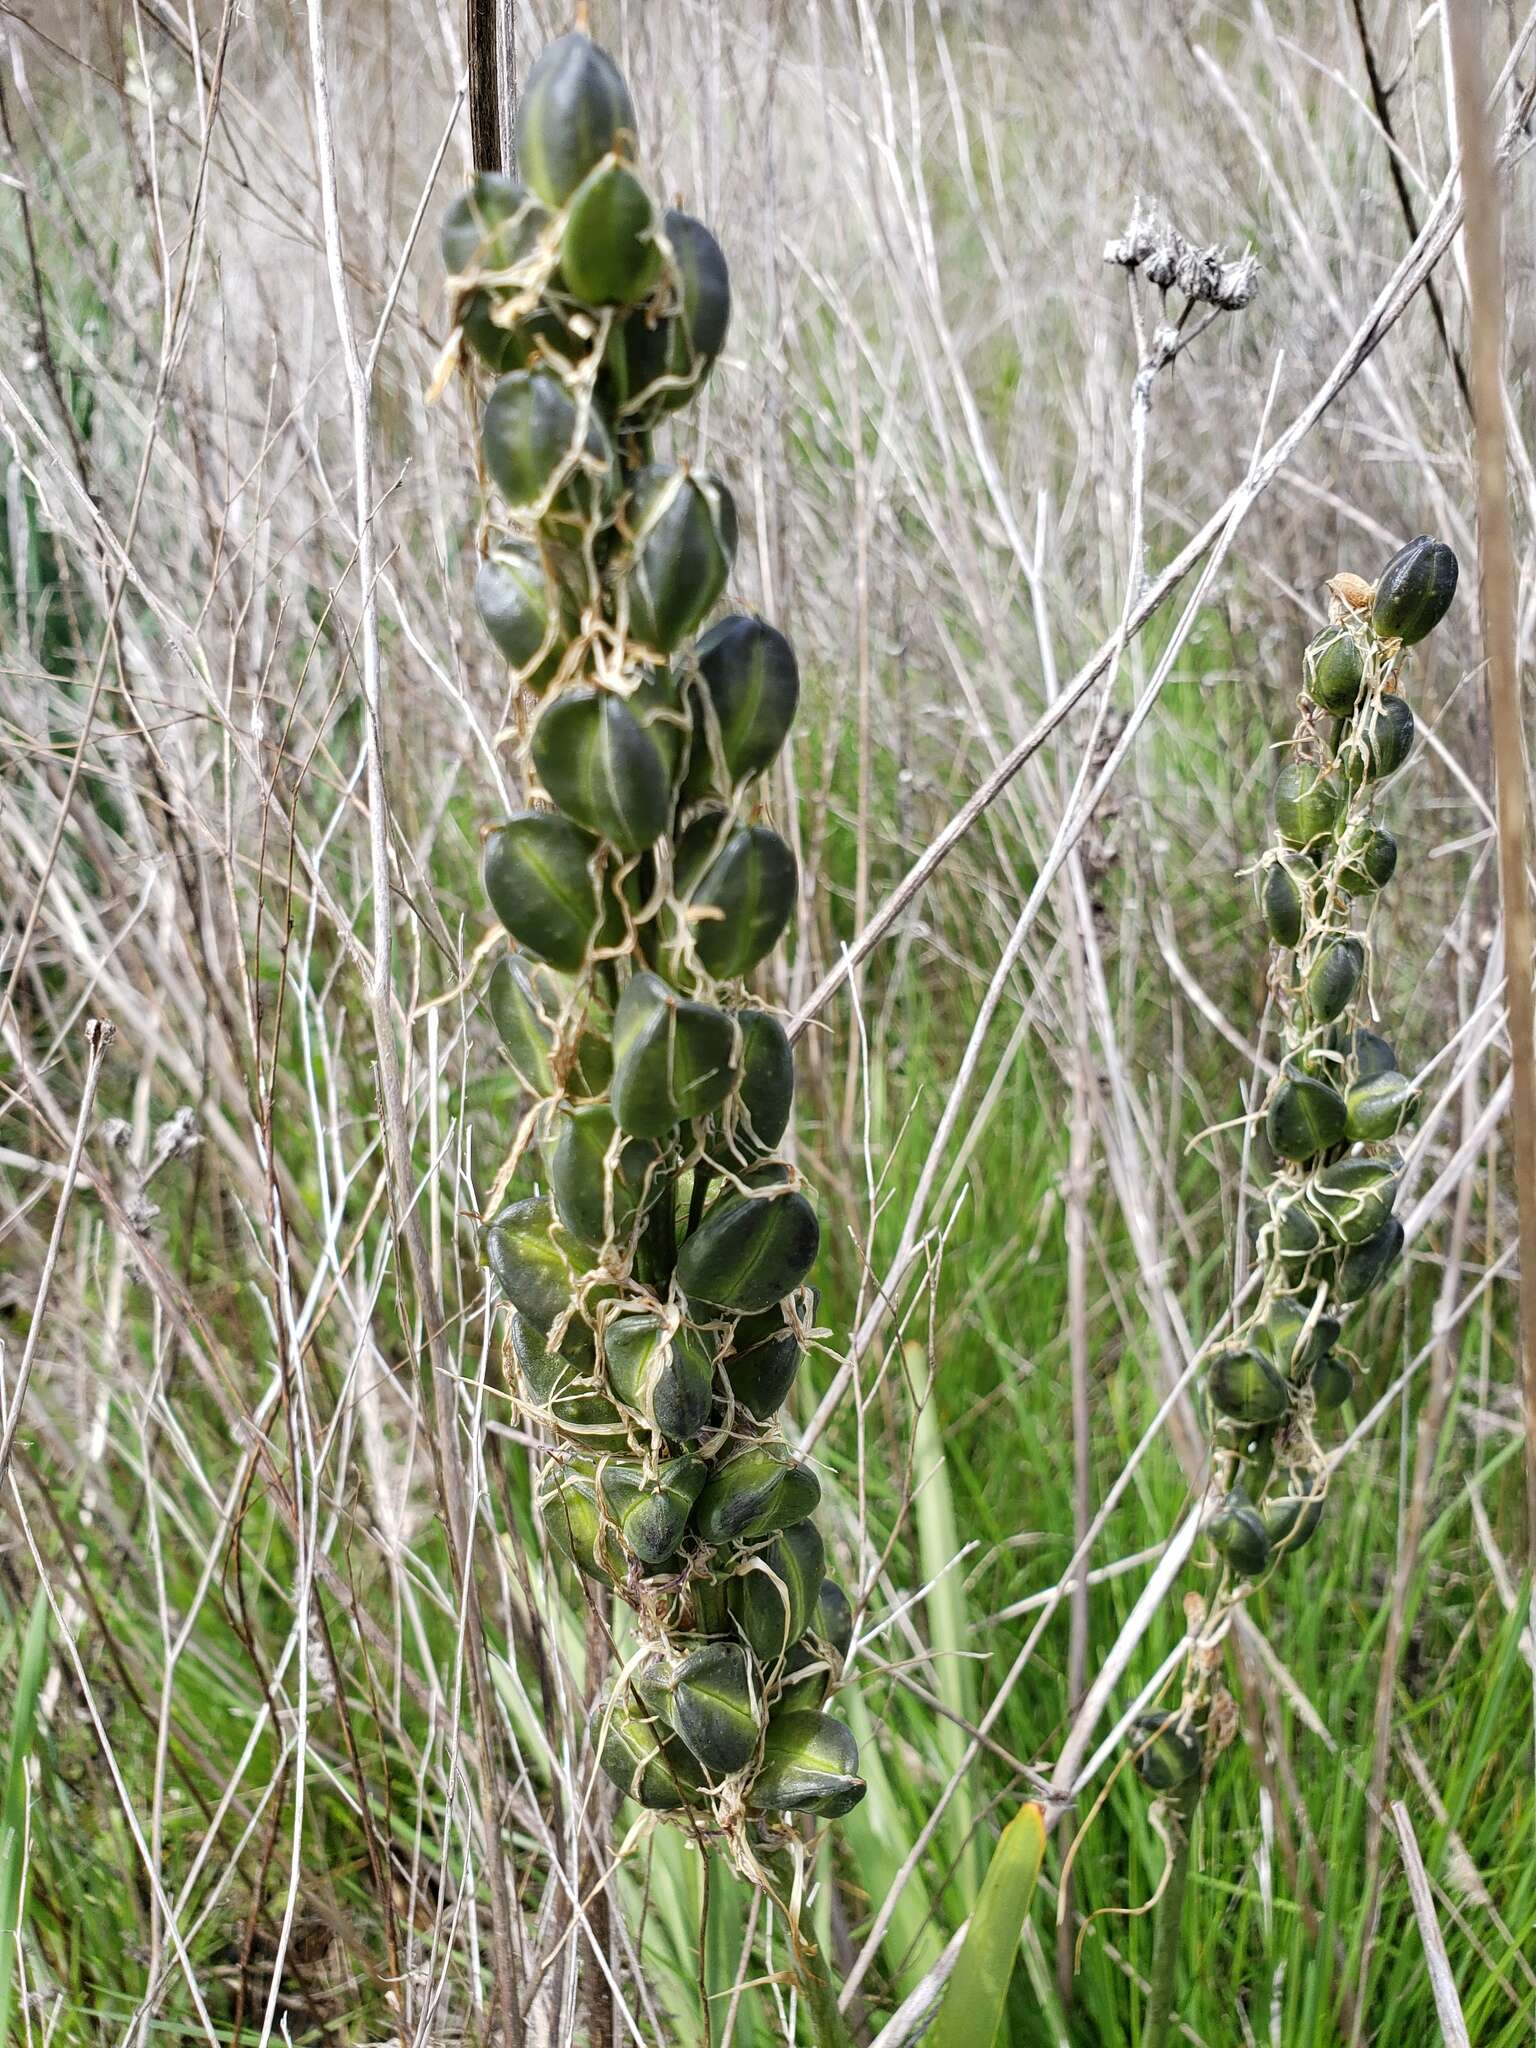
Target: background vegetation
250,1774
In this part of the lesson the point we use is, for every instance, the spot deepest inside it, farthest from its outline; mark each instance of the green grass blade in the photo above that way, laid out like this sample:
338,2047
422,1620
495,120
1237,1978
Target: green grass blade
13,1824
972,2010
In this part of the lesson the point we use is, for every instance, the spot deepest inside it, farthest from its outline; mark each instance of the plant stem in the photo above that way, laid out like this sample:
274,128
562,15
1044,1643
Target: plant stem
1168,1916
819,1995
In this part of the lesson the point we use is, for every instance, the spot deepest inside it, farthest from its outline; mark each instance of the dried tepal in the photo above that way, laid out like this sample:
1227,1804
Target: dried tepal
658,1295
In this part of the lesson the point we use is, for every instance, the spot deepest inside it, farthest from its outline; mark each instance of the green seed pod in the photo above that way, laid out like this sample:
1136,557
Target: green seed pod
524,613
563,1382
762,1361
490,226
533,340
672,1059
1304,1118
1291,1521
754,1494
683,541
1294,1230
751,686
575,110
765,1092
810,1765
773,1598
1368,859
1331,1382
1238,1533
1333,978
1308,803
806,1679
651,1509
1372,1055
751,1249
657,702
533,1261
641,1760
1353,1198
603,768
657,359
736,897
541,449
1284,882
1381,1107
1295,1337
1385,733
526,1002
1335,669
834,1620
1414,591
567,1503
1243,1385
540,879
1362,1267
599,1181
1167,1754
665,1375
609,254
714,1709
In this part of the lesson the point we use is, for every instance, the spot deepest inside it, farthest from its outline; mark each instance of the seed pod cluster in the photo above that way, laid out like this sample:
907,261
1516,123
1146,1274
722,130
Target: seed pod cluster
1338,1103
658,1284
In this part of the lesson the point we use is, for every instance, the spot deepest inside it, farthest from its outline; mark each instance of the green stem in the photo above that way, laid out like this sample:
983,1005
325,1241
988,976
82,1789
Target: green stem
818,1994
1168,1917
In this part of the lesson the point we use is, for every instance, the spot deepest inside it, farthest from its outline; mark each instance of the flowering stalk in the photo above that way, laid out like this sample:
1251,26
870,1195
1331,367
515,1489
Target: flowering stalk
658,1296
1334,1110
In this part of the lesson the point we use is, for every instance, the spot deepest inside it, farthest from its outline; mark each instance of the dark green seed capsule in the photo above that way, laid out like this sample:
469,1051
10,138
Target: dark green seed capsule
567,1501
834,1620
542,449
1381,1107
1414,591
1284,883
751,690
524,614
651,1509
806,1678
1167,1753
1353,1198
1362,1267
644,1763
1296,1337
563,1383
599,1180
603,768
673,1059
656,359
1238,1533
1331,1382
736,897
1385,733
665,1375
1295,1230
810,1765
1304,1118
754,1494
534,1262
1308,803
609,254
1243,1385
1371,1055
773,1597
540,881
1333,978
765,1093
490,226
1292,1520
762,1361
751,1249
1335,669
1368,860
714,1709
682,529
575,110
526,1001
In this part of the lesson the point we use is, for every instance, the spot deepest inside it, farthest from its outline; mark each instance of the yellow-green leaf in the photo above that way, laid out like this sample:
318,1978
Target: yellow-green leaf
972,2010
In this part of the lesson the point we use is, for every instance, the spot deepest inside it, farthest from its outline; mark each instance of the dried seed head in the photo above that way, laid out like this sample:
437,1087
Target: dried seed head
1349,597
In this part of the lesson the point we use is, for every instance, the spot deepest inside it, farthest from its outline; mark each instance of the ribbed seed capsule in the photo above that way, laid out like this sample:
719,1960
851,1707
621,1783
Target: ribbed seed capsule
1296,1335
735,894
765,1091
773,1597
810,1765
1243,1384
1380,1107
526,1001
1335,669
651,1508
1384,741
1368,859
524,614
575,109
542,449
598,1179
603,768
713,1708
642,1762
1371,1055
1291,1521
683,541
533,1261
568,1508
1308,803
609,254
751,682
1167,1750
666,1375
655,360
1237,1531
1362,1267
1284,883
673,1059
1414,591
751,1249
762,1361
562,1382
1304,1117
1331,1382
755,1493
1333,978
1353,1198
541,879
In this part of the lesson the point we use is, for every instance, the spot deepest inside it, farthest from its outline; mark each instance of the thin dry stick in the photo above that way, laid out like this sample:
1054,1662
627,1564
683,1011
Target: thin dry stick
1496,590
1453,2025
